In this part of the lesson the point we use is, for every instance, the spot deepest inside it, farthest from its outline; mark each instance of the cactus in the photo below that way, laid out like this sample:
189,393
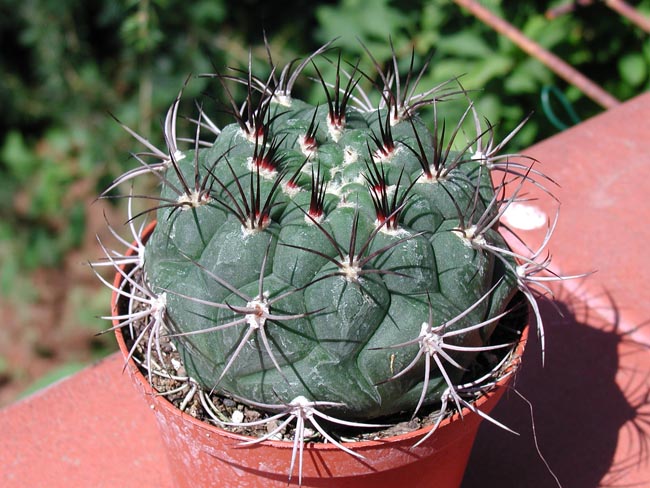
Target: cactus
342,260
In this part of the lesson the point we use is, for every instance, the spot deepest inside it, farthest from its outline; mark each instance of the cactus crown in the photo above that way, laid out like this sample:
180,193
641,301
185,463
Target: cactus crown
342,257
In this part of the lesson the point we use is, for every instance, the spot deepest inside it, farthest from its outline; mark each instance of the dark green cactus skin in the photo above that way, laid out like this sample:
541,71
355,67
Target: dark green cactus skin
337,348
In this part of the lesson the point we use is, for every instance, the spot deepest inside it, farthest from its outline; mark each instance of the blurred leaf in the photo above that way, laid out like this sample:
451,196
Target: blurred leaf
76,227
495,67
211,12
527,77
53,376
369,20
87,306
41,249
18,157
464,44
547,33
8,188
633,68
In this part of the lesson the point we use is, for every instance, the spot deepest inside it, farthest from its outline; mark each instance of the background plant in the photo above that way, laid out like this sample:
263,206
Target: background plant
66,64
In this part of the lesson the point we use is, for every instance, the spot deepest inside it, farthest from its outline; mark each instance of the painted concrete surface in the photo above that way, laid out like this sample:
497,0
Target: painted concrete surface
591,399
89,430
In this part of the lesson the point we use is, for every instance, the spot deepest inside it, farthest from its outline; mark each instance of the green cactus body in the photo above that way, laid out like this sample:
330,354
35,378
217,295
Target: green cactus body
317,247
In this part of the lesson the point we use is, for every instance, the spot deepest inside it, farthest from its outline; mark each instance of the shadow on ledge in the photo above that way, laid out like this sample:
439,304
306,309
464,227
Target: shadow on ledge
581,413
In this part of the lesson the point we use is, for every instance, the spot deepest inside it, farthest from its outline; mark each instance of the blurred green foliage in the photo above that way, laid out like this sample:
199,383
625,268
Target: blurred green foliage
66,64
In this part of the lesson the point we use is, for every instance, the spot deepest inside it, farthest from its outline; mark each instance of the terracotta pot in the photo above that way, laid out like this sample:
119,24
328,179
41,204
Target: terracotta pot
202,455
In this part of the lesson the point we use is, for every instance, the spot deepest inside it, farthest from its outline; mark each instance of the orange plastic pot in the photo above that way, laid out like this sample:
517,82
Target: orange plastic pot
202,455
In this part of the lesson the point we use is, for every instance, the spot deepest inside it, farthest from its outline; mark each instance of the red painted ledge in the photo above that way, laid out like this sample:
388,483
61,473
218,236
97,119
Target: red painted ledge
591,400
89,430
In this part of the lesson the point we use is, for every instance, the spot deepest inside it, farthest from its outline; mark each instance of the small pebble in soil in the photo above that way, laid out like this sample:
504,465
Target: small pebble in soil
270,427
309,433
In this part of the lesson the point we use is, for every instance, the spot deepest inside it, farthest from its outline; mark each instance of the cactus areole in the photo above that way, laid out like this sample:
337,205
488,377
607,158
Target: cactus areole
340,260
